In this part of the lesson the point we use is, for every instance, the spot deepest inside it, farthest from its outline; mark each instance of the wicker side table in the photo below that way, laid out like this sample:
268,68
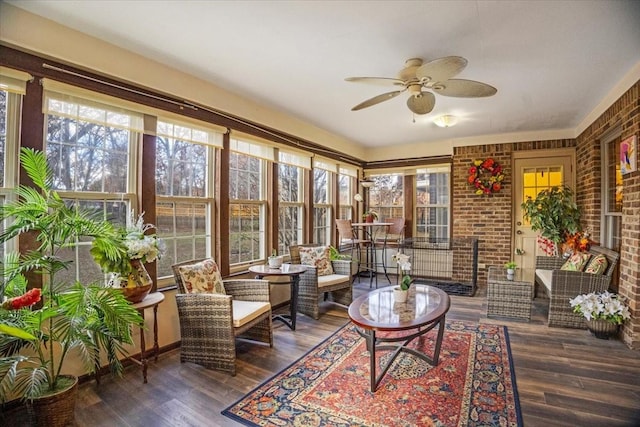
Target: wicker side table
509,298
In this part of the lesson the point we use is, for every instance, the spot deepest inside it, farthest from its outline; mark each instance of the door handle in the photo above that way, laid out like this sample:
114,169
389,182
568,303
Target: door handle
519,223
519,232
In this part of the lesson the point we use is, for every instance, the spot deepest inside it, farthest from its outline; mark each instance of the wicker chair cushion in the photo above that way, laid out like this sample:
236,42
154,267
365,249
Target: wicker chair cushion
576,262
245,311
331,279
202,277
597,265
317,257
546,277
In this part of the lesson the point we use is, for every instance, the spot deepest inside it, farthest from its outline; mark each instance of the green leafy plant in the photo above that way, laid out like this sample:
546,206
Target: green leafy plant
335,255
39,328
511,265
553,212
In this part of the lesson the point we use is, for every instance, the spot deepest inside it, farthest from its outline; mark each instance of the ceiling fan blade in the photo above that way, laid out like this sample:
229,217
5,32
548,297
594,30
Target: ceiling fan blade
384,81
461,88
422,103
376,100
441,69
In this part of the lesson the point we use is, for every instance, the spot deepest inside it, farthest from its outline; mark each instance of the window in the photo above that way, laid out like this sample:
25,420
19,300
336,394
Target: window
386,196
9,129
322,208
184,191
12,87
432,211
247,201
89,146
346,184
612,194
290,199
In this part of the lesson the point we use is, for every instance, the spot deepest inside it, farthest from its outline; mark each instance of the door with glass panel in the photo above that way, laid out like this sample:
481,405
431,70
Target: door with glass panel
530,176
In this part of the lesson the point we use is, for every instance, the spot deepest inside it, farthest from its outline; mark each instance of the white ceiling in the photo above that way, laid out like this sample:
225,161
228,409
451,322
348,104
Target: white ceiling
552,62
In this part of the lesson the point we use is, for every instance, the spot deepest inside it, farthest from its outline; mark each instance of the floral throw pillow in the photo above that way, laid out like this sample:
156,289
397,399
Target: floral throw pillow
576,262
202,277
317,257
597,265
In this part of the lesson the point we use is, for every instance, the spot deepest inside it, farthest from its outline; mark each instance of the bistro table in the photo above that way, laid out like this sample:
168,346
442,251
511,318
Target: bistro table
426,308
293,271
371,230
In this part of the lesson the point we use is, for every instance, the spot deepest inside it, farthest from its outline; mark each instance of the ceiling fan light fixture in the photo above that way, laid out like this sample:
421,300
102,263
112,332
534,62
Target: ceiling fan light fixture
445,121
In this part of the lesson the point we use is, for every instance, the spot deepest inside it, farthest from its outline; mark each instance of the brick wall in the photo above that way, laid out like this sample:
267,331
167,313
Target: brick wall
489,217
625,112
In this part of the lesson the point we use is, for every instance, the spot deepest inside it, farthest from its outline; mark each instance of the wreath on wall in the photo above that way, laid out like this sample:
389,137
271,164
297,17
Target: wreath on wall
486,176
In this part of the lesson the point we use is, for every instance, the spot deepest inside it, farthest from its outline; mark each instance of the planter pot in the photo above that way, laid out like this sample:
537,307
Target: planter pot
56,409
275,261
369,218
136,285
399,295
602,329
510,273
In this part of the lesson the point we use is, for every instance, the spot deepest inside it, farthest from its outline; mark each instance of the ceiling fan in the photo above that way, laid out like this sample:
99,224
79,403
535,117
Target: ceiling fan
434,75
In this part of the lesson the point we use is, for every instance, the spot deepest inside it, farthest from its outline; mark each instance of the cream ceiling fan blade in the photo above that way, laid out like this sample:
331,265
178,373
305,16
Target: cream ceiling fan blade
440,69
376,100
384,81
421,103
461,88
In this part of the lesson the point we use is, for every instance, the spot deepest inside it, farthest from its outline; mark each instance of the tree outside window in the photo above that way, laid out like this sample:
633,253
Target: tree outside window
386,196
432,203
184,187
322,208
291,207
247,209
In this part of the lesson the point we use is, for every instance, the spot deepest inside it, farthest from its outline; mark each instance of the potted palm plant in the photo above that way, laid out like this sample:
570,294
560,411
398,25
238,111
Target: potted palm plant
41,328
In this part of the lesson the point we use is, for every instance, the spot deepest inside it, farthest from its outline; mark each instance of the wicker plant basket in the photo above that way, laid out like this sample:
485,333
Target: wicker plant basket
55,410
602,329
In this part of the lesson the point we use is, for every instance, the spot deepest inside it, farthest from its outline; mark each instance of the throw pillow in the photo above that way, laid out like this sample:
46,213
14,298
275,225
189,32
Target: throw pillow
202,277
317,257
597,265
576,262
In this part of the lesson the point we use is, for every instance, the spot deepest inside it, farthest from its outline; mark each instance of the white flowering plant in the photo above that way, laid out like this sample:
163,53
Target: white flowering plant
403,262
139,246
605,305
145,247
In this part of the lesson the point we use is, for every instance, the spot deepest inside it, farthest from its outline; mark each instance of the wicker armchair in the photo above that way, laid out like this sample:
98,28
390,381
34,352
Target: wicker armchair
210,323
315,289
565,285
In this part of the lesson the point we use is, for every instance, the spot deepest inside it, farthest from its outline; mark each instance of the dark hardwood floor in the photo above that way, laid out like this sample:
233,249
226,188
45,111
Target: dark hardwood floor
565,377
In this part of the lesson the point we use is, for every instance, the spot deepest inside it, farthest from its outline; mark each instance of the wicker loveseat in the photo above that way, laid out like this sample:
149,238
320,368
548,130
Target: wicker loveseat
210,322
314,288
561,285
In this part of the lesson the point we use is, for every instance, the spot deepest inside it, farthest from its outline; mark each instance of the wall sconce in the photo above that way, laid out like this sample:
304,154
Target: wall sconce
445,121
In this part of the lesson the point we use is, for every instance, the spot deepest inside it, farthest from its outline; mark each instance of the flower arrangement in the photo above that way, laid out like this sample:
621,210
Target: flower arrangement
605,305
405,267
145,247
140,247
486,176
578,241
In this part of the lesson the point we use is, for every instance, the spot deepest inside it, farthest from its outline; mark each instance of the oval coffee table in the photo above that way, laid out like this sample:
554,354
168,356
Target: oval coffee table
426,308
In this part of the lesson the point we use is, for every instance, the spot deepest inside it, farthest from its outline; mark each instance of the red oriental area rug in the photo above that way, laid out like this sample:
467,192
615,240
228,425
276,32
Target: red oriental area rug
472,385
